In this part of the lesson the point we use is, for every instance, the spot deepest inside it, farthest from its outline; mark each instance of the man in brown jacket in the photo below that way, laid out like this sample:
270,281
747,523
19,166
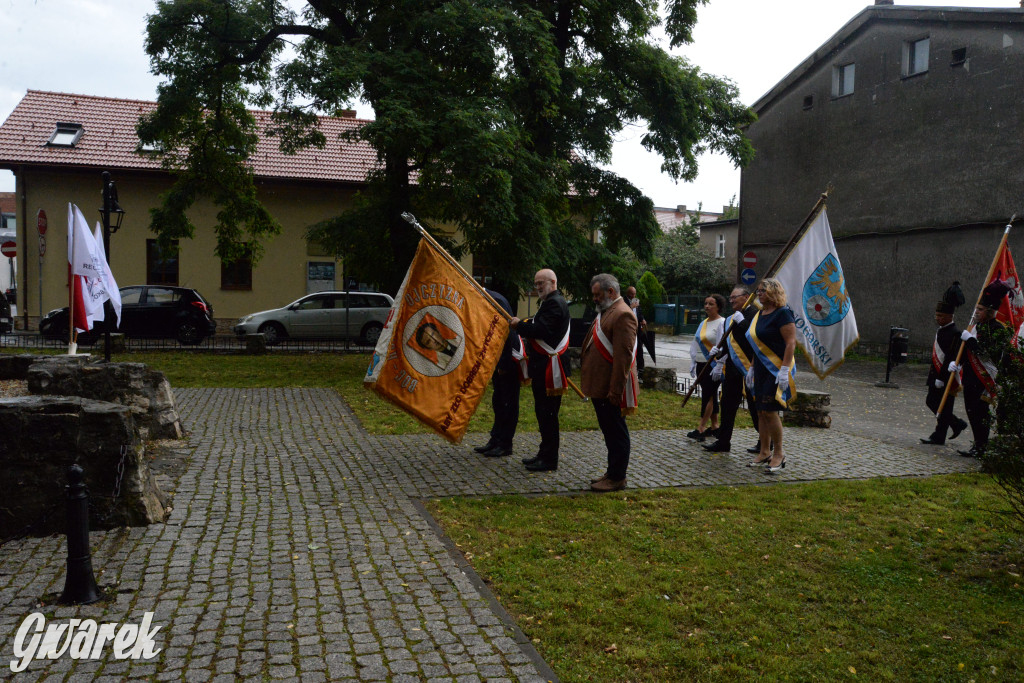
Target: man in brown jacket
608,367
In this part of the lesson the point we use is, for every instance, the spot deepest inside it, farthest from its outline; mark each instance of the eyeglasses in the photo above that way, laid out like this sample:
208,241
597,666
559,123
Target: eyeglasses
538,283
762,291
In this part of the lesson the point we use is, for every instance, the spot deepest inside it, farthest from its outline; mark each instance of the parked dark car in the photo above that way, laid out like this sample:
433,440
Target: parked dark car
6,319
146,311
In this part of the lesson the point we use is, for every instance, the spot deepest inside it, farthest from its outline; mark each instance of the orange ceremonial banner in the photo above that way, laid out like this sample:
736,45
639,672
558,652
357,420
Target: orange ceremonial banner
439,346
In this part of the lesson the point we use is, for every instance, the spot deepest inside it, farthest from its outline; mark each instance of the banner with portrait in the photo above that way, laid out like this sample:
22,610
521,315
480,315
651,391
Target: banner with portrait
439,345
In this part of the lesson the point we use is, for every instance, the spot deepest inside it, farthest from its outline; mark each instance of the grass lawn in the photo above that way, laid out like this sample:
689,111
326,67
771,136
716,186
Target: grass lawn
345,372
879,580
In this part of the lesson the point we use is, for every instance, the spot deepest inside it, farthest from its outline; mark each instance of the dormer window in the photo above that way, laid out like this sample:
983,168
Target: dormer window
151,147
66,135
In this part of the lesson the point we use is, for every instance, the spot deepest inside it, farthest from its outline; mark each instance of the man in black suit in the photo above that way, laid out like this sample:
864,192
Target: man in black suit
734,355
505,397
548,338
944,348
641,325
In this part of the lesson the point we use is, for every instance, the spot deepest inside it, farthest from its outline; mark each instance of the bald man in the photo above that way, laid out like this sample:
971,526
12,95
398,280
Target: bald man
547,338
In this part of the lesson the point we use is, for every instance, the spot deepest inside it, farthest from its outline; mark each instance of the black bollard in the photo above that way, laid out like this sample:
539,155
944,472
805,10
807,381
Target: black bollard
80,584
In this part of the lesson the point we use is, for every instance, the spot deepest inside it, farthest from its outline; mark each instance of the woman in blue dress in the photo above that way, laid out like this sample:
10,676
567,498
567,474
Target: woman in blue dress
772,335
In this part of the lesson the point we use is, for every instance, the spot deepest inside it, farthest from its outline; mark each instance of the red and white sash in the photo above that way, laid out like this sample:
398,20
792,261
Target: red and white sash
939,363
630,395
554,374
986,373
519,355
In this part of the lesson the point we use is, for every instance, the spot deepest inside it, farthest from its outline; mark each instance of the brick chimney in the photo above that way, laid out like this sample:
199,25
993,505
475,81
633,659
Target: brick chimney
889,2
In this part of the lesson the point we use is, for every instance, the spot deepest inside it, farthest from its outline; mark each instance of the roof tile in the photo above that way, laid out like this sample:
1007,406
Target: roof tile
109,140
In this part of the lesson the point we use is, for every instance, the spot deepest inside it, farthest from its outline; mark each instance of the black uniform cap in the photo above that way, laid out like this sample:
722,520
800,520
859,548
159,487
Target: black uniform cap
951,298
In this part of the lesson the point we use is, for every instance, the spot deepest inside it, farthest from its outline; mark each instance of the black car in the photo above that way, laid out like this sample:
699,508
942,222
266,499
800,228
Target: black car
146,311
6,319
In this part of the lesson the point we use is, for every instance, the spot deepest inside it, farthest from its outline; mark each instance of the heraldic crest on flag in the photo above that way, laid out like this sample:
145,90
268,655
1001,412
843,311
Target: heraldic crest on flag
440,344
816,288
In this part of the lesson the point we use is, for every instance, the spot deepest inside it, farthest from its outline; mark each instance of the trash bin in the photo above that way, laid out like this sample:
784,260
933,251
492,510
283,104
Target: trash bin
899,344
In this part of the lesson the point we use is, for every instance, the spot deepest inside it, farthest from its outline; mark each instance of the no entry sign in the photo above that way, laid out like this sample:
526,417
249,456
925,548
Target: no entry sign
9,249
41,222
749,259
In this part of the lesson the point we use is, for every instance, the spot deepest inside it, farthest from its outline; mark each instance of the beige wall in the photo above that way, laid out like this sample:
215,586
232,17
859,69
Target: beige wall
709,239
280,277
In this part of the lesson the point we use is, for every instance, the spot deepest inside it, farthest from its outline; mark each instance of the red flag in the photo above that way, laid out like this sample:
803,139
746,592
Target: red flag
78,305
1011,311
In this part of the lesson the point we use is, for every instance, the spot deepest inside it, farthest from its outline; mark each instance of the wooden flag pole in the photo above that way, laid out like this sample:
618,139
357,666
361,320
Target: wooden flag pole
779,260
426,235
434,243
971,324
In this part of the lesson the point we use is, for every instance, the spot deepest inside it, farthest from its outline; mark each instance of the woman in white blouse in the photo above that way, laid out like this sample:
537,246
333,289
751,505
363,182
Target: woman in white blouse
708,335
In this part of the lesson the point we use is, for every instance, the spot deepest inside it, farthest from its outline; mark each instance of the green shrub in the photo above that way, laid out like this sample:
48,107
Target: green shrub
1004,457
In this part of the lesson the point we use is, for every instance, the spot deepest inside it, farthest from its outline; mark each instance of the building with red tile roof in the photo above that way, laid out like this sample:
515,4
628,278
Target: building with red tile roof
58,144
108,139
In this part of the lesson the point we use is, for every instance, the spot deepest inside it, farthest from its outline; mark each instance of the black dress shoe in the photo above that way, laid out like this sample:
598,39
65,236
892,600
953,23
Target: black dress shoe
933,441
960,426
975,452
499,452
542,466
755,449
717,447
486,447
527,461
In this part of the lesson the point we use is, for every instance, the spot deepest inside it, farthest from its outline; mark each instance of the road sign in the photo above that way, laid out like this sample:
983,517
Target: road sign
749,259
41,222
42,246
748,276
9,249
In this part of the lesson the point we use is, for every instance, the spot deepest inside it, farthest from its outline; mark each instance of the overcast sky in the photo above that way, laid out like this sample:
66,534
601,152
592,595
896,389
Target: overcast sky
95,47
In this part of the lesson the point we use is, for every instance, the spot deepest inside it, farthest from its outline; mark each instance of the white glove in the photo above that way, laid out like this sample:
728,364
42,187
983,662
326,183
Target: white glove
716,372
953,367
967,335
736,317
939,384
750,378
693,368
783,376
715,350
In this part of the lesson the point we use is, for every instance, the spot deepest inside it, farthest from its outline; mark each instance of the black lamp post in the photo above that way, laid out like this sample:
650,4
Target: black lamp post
110,206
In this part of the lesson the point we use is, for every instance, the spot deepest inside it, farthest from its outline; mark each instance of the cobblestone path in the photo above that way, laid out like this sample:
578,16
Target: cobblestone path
298,548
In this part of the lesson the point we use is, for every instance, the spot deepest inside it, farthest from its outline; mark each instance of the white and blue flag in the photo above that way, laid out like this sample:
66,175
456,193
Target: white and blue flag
816,289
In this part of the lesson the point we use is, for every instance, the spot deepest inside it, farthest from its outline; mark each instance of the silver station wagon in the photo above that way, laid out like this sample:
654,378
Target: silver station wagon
322,315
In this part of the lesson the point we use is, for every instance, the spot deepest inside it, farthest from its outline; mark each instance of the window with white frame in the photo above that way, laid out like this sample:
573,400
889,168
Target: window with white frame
915,56
842,80
66,135
720,246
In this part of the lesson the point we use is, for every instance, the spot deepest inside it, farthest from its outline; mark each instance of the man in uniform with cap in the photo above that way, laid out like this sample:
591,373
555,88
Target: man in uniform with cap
983,351
944,348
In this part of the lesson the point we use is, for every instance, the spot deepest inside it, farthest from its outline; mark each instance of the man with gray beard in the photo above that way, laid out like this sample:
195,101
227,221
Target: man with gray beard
609,378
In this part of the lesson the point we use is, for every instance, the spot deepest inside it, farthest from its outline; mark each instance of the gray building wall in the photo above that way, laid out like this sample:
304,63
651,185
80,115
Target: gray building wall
926,169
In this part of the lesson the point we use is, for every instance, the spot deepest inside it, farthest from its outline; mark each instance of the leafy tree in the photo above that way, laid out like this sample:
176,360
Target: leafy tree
731,211
491,115
683,267
650,292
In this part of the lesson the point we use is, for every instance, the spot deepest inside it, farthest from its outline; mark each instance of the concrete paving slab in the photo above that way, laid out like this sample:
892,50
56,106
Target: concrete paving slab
298,549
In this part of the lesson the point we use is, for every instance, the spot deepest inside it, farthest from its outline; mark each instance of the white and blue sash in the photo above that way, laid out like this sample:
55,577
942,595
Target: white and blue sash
783,394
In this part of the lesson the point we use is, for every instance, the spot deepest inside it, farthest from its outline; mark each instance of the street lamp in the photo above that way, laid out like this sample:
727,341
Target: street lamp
110,206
